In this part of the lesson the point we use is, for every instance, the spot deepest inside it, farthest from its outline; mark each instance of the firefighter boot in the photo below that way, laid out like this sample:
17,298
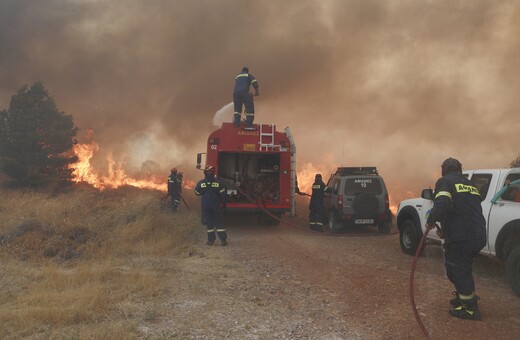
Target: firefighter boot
224,243
467,309
455,302
236,119
250,117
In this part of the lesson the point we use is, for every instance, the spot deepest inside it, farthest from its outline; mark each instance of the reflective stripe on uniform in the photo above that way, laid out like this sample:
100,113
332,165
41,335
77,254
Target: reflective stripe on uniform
221,230
243,75
443,193
211,230
467,188
214,185
196,192
250,114
203,185
253,81
319,223
316,186
222,190
466,297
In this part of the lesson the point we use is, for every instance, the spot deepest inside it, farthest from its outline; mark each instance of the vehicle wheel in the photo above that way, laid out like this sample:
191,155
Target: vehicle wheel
334,224
266,219
384,227
513,269
409,237
275,221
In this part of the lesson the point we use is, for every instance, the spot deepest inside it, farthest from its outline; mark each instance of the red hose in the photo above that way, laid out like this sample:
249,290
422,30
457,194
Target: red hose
412,296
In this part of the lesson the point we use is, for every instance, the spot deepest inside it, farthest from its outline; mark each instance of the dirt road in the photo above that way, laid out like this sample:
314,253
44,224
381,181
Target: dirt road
280,282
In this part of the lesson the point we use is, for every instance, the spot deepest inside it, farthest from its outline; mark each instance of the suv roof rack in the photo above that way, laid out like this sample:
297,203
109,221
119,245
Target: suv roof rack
366,170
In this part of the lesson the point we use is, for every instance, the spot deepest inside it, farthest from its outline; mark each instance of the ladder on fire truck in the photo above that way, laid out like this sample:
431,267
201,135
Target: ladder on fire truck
293,170
267,138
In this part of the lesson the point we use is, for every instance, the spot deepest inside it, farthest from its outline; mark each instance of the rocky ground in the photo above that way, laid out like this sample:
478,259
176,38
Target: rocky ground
283,282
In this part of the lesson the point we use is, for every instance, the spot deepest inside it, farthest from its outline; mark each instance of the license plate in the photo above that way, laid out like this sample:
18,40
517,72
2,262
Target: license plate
364,221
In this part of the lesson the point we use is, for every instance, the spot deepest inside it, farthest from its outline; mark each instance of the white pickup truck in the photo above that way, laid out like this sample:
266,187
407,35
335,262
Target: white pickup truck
500,192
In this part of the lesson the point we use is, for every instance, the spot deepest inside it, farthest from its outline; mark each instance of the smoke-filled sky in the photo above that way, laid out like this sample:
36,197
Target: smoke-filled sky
400,84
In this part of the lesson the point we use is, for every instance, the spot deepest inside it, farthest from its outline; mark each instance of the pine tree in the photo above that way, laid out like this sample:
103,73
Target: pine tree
36,139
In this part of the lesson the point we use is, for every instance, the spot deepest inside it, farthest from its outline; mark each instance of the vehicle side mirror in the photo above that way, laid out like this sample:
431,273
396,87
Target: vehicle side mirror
427,194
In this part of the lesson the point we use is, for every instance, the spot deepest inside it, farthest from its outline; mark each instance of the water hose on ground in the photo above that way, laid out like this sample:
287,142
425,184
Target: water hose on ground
412,272
297,226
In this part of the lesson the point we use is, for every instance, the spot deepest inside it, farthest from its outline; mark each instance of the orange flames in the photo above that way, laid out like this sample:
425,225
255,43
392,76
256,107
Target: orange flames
307,174
117,177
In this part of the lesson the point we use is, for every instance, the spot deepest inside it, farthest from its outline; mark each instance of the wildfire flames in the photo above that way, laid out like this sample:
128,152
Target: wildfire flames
117,177
83,171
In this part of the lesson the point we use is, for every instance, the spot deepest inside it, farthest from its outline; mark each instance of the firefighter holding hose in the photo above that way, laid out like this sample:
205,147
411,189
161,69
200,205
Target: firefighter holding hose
242,97
457,207
175,188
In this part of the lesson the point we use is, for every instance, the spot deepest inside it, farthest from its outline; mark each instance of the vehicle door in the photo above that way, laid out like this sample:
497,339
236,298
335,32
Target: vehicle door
483,180
331,193
506,209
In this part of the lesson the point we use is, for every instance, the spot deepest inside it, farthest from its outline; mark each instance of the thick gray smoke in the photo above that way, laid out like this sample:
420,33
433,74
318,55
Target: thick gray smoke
401,85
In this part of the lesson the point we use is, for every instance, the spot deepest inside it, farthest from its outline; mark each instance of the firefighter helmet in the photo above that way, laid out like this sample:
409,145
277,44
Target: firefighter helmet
451,165
209,169
245,69
318,176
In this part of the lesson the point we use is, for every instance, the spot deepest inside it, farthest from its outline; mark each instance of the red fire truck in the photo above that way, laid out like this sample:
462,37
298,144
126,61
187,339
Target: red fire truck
258,167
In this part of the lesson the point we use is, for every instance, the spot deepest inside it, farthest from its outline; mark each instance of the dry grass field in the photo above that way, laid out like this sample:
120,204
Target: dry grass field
87,264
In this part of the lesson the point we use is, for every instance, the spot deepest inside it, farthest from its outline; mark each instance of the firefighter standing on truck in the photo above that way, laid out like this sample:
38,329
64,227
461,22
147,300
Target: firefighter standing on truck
457,207
175,188
316,204
212,201
242,97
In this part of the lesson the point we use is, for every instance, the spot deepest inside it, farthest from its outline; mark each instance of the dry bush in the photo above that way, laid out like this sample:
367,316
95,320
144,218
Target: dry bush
86,264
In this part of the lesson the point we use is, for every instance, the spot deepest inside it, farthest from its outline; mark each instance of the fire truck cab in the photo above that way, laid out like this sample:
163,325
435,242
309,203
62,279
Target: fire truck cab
257,165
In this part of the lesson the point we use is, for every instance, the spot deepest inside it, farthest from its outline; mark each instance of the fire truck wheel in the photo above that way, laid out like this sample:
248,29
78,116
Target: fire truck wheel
266,219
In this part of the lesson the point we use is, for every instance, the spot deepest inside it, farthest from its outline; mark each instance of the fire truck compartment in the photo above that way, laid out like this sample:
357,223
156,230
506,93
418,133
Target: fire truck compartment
250,177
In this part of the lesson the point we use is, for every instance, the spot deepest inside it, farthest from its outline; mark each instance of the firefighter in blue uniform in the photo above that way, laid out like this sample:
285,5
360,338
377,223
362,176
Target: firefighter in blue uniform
242,97
175,188
316,204
213,200
463,227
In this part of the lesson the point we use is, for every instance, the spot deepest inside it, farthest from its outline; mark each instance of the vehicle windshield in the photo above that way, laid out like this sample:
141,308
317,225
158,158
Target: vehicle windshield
356,186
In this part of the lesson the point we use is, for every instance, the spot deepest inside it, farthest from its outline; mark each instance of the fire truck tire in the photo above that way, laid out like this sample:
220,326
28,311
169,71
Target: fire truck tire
334,225
266,219
513,269
409,237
